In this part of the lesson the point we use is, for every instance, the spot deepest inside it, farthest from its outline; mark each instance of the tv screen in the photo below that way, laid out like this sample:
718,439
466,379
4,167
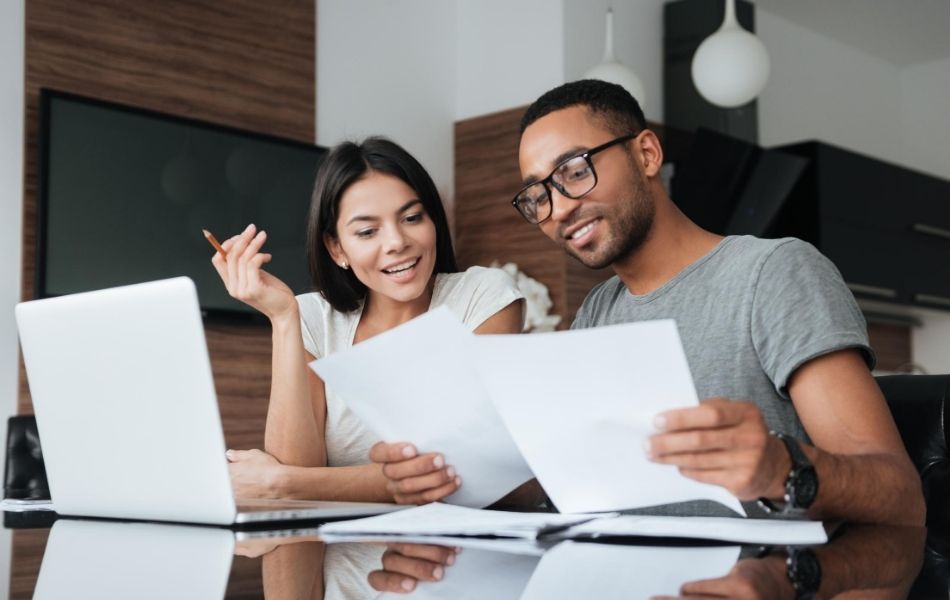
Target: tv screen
125,193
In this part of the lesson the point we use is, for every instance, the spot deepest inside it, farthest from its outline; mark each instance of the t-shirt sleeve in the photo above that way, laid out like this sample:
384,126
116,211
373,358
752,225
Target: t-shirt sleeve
483,292
311,323
802,309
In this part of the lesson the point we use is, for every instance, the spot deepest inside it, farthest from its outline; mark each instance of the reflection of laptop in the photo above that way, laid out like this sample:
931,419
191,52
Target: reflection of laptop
127,414
109,560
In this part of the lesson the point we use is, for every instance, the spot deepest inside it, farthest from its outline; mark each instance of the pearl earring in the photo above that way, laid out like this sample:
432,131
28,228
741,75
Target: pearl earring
344,265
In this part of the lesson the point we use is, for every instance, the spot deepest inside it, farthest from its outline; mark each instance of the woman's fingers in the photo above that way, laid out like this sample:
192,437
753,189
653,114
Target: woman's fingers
430,495
411,485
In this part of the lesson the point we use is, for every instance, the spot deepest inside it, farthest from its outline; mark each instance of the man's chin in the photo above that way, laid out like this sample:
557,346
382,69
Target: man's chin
589,260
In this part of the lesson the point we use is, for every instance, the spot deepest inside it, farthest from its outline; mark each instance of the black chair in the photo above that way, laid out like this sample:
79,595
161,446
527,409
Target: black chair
25,474
918,403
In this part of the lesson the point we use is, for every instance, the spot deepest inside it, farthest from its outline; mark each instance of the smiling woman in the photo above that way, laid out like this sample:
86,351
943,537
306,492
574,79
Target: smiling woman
380,253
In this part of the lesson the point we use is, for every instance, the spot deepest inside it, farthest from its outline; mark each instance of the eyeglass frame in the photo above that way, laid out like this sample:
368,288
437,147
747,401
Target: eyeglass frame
548,181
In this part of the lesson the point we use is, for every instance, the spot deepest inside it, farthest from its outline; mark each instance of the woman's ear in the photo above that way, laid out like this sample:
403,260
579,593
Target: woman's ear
332,244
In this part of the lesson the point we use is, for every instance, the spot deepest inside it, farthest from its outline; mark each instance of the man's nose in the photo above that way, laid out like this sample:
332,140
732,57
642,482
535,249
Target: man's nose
562,207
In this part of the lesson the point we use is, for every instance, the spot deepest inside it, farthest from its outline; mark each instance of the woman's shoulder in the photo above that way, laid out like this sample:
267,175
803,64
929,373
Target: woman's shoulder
475,294
474,279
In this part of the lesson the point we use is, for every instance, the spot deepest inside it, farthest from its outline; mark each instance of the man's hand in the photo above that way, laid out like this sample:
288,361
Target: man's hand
751,578
254,474
723,442
414,478
406,564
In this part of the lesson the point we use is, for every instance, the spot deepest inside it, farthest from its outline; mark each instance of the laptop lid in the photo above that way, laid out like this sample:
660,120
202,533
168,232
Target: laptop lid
125,404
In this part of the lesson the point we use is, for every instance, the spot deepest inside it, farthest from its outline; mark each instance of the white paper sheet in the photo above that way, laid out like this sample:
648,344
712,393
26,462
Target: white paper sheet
412,384
580,405
444,519
606,571
725,529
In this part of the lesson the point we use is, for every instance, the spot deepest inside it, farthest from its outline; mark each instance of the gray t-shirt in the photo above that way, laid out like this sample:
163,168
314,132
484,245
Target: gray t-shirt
749,313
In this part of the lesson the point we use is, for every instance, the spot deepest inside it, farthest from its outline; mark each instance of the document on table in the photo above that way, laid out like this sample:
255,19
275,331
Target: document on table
443,519
724,529
413,384
608,571
580,405
438,519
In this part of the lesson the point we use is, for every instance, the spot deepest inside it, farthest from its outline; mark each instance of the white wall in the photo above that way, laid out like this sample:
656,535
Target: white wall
508,53
12,42
925,116
387,68
638,43
822,89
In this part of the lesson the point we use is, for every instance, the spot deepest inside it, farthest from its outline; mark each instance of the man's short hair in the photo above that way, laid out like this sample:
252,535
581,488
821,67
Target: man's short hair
613,104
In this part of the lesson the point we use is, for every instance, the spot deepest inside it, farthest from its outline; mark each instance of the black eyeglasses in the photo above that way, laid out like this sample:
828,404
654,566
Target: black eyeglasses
572,177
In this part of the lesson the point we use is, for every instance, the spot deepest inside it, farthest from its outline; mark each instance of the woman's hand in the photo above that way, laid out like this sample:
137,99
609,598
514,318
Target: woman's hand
245,280
406,564
254,474
414,478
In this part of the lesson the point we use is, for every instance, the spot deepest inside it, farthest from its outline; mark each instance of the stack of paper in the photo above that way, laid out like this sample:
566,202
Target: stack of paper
444,520
576,406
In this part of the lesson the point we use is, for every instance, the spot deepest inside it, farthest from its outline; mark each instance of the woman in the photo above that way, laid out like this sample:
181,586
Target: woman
380,254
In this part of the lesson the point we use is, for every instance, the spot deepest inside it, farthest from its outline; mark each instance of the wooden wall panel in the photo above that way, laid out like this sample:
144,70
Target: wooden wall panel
240,63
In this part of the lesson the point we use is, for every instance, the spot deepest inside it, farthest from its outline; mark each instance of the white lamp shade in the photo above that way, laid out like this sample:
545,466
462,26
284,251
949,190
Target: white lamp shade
731,67
614,72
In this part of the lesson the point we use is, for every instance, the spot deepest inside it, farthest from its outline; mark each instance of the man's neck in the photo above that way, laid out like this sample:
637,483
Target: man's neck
674,243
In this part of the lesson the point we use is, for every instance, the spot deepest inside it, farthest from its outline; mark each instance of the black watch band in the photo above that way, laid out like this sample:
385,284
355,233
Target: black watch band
801,484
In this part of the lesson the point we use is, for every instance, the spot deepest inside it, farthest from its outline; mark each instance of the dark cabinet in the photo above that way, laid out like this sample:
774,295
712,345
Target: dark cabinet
887,228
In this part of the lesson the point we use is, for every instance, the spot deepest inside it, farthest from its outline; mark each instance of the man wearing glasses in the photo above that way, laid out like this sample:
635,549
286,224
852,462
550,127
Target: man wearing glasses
775,340
776,343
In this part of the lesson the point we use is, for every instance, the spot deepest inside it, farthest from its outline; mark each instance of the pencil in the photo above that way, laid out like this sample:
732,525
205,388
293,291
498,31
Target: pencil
214,242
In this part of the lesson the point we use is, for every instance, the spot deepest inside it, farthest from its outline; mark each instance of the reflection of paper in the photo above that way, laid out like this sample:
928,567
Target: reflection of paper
580,405
479,574
745,531
607,571
444,519
506,545
411,384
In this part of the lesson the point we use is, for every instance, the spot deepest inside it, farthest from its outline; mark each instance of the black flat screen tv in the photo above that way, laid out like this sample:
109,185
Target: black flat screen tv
125,192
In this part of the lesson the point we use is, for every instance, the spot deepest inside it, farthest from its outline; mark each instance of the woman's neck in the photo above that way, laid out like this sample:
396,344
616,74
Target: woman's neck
382,313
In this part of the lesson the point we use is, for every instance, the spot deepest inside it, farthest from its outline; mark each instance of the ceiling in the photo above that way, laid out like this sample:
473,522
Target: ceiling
902,32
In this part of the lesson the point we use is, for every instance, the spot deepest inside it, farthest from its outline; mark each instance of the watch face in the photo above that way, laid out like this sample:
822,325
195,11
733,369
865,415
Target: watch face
804,485
804,571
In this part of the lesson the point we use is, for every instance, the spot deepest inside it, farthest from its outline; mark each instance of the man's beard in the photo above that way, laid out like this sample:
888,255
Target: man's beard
630,226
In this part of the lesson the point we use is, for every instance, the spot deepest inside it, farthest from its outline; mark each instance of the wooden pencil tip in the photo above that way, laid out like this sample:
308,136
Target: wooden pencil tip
206,232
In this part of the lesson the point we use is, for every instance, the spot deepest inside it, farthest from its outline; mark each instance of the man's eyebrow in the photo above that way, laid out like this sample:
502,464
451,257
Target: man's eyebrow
569,153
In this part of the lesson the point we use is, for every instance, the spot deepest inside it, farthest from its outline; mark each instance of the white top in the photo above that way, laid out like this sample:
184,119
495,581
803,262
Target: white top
473,295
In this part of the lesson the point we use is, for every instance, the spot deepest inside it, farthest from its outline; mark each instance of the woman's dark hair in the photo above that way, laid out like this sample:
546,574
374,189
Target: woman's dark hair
343,166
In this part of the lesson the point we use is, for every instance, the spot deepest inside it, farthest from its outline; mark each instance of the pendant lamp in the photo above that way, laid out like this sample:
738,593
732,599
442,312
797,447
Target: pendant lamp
731,67
613,71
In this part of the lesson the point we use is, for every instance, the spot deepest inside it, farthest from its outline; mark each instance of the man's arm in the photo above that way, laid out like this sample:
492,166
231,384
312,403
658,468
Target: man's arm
864,473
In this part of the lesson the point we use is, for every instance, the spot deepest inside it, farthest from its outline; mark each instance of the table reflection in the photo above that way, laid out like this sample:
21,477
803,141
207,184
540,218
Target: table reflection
102,559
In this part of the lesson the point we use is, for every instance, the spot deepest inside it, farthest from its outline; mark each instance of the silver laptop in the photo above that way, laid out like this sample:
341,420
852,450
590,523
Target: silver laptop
127,413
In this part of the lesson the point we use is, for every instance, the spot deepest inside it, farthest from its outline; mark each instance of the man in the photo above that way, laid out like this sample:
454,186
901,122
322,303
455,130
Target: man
774,338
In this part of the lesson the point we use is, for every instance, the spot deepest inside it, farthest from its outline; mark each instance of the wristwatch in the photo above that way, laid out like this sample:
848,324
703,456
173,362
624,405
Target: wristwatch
801,485
804,572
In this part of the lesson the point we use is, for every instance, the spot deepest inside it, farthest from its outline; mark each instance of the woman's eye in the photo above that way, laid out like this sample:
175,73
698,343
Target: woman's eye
365,233
414,218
